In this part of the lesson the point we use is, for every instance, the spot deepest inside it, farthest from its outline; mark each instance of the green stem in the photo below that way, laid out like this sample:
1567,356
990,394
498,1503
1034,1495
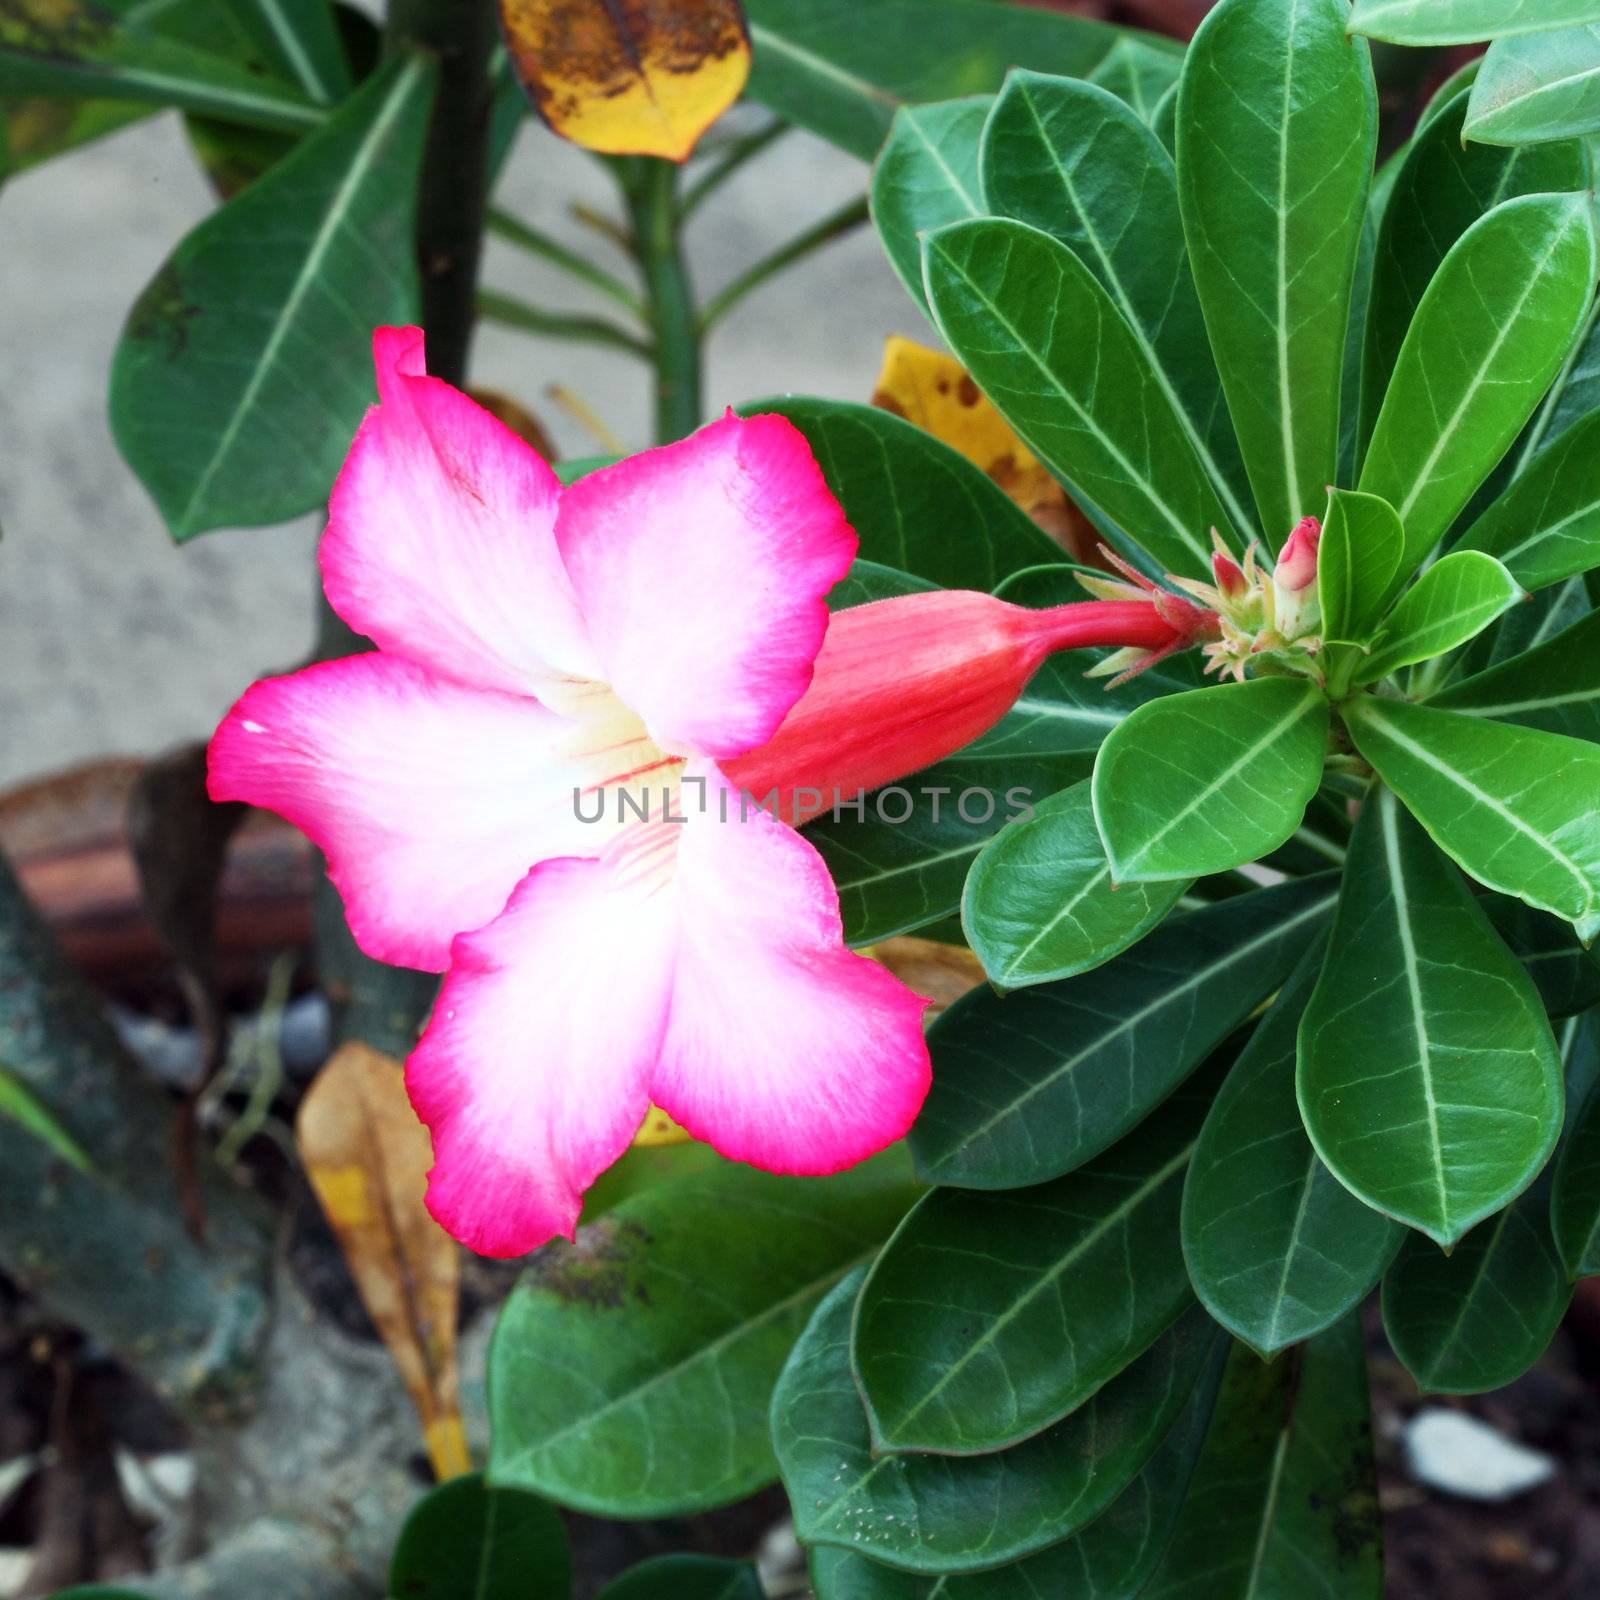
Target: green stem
515,231
513,313
728,163
833,226
651,187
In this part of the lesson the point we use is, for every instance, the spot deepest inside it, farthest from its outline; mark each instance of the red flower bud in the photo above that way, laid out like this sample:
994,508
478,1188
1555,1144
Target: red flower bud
1297,561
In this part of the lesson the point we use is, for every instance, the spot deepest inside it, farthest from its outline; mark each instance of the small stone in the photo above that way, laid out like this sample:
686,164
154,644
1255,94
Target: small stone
1456,1453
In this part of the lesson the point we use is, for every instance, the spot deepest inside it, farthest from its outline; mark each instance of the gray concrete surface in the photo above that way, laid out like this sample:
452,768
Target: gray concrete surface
112,639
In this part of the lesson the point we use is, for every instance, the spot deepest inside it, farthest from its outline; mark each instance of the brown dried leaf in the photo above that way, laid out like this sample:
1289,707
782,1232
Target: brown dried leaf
935,391
938,972
629,77
368,1157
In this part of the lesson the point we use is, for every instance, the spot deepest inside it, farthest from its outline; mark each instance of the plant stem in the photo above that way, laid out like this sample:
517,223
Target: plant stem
728,163
557,325
651,187
515,231
833,226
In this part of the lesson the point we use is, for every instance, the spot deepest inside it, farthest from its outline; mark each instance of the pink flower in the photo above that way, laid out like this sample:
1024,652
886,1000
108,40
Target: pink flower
1297,561
651,633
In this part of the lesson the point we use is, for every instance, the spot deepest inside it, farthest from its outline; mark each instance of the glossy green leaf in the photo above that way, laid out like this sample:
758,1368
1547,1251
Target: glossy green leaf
1358,562
1277,1248
1544,86
1566,975
1031,1086
902,865
1441,187
1490,333
1138,73
1514,806
1036,330
630,1373
1555,686
1528,627
464,1538
1428,1078
925,176
1285,1495
1546,526
1069,159
842,70
1110,1560
1575,1202
1478,1318
1208,780
927,1513
77,50
1277,125
1039,902
687,1577
916,504
989,1316
20,1105
1452,602
301,40
1464,21
238,419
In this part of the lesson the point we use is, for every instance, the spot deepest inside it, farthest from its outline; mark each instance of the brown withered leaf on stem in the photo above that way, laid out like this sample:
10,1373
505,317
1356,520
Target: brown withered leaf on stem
938,972
934,391
368,1157
629,77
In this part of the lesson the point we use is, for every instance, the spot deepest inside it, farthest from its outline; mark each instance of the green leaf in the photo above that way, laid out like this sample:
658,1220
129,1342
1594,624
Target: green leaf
1546,526
1528,627
1071,160
1513,806
1358,562
842,71
1036,331
1442,186
1204,781
1575,1202
301,40
926,1513
1566,975
1031,1086
925,176
630,1374
234,419
1110,1560
1453,601
79,50
464,1538
1478,1318
687,1577
1040,904
1545,86
1138,73
20,1105
916,504
867,581
989,1316
903,864
1464,21
1555,686
1277,1249
1277,125
1428,1078
1490,333
1285,1496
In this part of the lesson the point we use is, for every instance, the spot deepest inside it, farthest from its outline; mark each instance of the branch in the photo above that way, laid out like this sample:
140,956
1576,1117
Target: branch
834,226
515,313
515,231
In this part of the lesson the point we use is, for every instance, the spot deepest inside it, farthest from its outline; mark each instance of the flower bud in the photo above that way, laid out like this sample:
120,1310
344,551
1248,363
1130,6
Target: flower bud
1297,561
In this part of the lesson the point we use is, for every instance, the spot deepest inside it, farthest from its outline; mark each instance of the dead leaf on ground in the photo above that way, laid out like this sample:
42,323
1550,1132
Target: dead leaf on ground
934,391
629,77
368,1157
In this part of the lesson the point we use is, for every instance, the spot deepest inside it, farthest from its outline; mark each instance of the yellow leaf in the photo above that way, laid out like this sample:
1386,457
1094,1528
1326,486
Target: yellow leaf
629,77
658,1128
368,1157
935,392
938,972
